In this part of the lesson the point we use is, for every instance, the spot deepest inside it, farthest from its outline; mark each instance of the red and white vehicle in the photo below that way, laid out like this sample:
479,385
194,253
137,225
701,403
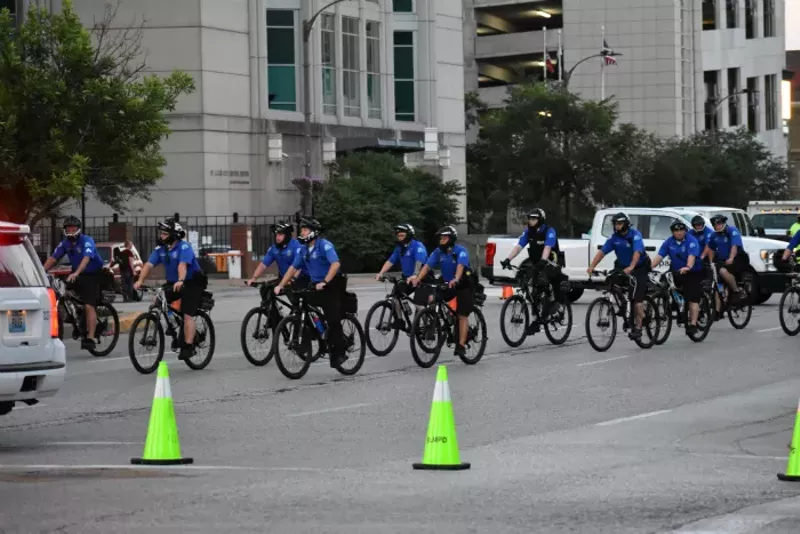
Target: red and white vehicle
32,358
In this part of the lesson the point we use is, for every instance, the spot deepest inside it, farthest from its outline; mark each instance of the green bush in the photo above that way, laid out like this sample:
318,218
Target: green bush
368,194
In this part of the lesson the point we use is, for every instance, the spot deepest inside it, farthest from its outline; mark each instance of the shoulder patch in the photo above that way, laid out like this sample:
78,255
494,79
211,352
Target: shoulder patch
184,246
637,237
462,254
328,246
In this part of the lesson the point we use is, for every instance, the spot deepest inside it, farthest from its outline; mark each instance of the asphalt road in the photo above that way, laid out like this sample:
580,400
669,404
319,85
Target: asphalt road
681,438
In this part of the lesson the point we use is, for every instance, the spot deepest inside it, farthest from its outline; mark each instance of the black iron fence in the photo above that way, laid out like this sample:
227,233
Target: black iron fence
208,234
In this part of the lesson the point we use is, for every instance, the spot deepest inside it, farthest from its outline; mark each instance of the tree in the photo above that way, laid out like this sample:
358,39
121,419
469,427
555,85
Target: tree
75,115
368,194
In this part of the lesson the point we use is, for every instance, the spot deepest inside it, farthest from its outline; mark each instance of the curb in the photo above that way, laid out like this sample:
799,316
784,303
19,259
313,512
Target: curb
125,321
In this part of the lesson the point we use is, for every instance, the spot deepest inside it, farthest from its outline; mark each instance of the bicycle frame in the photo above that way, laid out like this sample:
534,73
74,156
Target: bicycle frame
543,293
620,301
395,295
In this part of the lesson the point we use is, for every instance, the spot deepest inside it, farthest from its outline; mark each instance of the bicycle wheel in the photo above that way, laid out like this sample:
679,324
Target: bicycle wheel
427,332
515,310
606,321
107,330
739,315
789,310
382,333
354,345
704,321
558,316
256,337
476,338
664,310
297,342
651,324
204,342
148,326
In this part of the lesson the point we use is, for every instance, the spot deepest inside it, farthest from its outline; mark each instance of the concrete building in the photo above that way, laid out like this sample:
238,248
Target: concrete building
382,72
791,117
682,66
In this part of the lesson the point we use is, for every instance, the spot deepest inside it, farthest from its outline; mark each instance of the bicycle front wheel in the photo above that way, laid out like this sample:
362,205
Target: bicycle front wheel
355,348
106,331
293,348
204,342
601,320
146,335
256,337
427,333
789,311
514,320
664,310
382,336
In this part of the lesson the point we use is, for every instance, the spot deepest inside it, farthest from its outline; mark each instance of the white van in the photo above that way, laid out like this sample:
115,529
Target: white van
32,358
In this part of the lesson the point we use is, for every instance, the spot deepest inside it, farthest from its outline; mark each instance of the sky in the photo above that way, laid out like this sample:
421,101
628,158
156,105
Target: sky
792,24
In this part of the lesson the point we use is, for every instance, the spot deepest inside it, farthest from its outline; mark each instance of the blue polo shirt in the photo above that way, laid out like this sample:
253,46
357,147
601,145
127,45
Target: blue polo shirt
549,238
83,247
795,242
172,257
722,242
408,256
448,262
624,246
283,256
316,260
702,236
679,252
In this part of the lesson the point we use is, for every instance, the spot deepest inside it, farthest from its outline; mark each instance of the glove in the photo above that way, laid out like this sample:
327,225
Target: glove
505,264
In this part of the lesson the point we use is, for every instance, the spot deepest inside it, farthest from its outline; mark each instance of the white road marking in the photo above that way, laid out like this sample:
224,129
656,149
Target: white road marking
632,418
328,410
597,362
26,407
190,467
769,330
90,443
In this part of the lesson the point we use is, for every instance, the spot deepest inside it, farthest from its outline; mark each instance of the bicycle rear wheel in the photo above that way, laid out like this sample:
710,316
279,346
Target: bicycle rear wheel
354,344
427,332
106,331
476,338
704,321
558,316
293,348
204,342
651,324
148,334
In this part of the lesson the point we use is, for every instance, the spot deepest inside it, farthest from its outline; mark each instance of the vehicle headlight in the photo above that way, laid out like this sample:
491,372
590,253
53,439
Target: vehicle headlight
767,257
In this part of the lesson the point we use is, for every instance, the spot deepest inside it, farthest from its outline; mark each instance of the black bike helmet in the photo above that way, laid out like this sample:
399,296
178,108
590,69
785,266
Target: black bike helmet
718,219
697,220
284,228
171,227
447,231
407,229
621,218
315,229
538,214
677,225
72,221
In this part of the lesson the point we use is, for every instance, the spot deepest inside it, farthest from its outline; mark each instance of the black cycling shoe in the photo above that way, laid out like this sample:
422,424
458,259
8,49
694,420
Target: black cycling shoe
636,333
88,344
338,361
460,350
691,330
534,328
187,351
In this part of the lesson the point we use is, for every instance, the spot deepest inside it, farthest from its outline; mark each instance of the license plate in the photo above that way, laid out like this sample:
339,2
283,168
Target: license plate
16,323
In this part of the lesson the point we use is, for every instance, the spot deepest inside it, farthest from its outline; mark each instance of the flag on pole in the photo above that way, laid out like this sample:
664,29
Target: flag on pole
608,54
546,66
549,64
560,58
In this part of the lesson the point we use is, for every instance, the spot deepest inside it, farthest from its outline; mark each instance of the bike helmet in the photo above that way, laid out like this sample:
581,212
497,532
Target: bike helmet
173,228
406,229
284,228
451,233
72,221
677,226
315,229
623,219
718,219
538,214
697,220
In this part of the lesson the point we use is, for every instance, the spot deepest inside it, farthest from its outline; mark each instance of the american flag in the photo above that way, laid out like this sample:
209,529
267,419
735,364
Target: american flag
549,63
607,54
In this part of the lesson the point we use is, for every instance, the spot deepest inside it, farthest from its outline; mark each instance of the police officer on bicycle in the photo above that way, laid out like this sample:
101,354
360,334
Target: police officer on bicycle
319,259
185,278
410,253
87,266
453,260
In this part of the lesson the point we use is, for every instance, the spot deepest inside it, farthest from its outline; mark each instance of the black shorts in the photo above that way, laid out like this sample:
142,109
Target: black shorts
190,295
736,268
87,287
690,284
465,298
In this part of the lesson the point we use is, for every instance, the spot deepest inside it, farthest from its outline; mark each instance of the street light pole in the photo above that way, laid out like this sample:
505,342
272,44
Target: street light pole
308,25
568,74
717,104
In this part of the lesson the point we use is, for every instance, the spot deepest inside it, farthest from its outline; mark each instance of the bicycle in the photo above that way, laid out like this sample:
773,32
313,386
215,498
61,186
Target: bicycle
385,312
717,287
438,322
71,310
154,331
262,332
306,324
671,305
789,304
615,300
534,306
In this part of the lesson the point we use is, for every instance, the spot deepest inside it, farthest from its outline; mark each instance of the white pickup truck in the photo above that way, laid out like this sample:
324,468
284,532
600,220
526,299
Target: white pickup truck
654,225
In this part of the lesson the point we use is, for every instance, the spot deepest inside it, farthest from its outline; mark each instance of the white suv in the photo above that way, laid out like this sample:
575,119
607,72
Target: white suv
32,358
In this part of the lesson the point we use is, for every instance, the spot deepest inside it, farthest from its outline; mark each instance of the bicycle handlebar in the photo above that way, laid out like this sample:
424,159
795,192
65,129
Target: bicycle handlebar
548,262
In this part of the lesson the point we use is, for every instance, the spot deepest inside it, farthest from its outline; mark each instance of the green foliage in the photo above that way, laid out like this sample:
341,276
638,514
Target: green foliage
368,194
73,114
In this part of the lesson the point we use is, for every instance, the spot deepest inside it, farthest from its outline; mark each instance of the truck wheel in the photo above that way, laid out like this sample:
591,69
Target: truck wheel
762,298
575,294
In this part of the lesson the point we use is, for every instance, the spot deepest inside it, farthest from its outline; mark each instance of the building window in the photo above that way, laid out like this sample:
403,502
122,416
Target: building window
752,104
771,101
732,13
711,80
374,69
750,19
403,6
281,75
350,72
404,76
769,18
328,24
709,14
733,98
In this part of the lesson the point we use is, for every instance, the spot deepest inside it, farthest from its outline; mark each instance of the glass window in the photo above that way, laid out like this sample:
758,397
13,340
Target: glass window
733,99
769,18
750,19
774,220
350,73
709,14
771,101
404,87
732,13
403,6
608,228
752,104
328,26
281,73
19,264
659,227
374,69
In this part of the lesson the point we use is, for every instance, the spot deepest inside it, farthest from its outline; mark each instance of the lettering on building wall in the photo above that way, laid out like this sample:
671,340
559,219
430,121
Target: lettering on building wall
225,172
